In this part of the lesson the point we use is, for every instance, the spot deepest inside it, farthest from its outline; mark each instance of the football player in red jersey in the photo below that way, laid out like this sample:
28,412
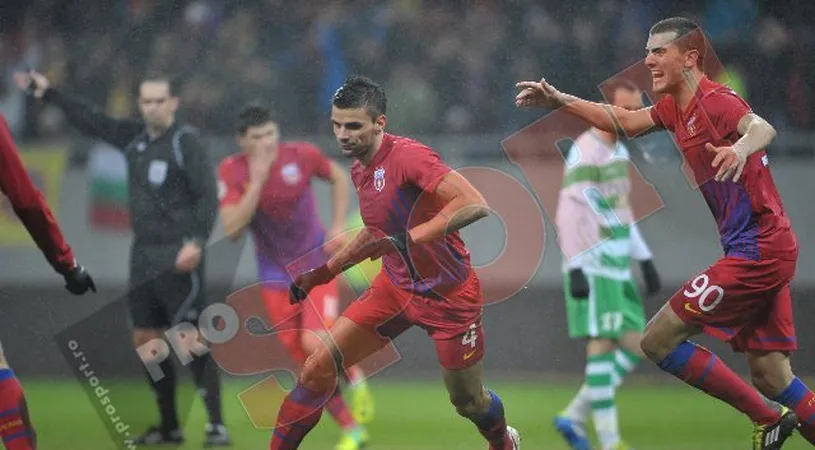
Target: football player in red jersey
267,188
412,205
29,205
743,298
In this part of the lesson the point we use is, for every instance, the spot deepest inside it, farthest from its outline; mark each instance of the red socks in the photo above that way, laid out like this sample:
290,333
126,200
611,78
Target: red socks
15,426
698,367
299,413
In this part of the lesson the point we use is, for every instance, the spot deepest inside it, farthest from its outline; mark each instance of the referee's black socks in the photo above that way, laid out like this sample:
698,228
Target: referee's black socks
205,373
165,395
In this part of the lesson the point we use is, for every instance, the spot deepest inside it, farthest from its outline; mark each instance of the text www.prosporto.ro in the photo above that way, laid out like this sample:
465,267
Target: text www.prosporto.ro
101,394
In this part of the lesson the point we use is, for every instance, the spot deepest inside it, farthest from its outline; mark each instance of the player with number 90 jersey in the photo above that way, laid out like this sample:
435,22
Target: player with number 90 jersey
743,298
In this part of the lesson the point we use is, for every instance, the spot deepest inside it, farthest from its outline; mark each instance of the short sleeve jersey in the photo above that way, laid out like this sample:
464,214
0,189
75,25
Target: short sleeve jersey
286,226
749,213
395,194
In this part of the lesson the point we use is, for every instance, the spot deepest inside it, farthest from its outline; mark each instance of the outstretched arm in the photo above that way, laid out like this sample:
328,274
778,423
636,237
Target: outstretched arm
608,118
87,118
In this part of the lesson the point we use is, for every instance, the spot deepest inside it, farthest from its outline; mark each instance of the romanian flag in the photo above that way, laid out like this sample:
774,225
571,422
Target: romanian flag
45,166
108,189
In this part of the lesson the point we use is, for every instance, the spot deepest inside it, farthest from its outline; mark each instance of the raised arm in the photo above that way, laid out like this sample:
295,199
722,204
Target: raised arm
87,118
605,117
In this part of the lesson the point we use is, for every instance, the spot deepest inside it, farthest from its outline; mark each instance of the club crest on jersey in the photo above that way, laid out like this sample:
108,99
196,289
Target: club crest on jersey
379,179
290,173
692,125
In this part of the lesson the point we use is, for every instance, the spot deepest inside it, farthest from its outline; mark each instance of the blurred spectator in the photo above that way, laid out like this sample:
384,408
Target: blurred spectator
412,101
449,65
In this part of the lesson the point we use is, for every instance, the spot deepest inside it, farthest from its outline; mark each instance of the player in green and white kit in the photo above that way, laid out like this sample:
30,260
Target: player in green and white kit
603,305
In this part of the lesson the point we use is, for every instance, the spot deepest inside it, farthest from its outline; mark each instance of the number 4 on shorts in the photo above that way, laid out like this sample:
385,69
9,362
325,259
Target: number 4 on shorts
470,337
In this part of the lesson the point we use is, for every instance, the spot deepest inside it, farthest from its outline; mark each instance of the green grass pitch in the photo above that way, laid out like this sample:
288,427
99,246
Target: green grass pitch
416,415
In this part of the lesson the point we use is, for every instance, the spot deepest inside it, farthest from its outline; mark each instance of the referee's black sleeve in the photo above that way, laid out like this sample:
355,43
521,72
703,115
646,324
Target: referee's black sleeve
203,187
91,120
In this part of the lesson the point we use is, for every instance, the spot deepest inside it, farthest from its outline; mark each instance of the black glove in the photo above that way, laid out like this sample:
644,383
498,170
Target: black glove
78,281
649,272
579,284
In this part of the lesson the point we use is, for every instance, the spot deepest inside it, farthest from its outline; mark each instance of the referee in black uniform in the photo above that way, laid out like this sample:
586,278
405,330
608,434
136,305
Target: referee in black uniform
173,207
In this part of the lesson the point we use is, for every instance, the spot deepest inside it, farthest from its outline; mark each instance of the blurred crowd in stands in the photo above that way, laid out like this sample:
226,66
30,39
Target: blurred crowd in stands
449,65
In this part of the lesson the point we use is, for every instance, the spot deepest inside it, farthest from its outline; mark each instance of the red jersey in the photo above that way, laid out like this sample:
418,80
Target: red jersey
391,201
30,206
286,226
750,216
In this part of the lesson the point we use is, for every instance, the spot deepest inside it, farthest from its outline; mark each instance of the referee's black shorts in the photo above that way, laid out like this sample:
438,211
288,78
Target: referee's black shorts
159,297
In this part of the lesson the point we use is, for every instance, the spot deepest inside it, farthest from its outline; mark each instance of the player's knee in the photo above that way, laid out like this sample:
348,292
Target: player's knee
468,405
653,347
310,341
319,373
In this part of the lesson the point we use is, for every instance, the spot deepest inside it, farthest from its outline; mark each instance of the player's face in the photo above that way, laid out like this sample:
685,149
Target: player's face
156,104
355,131
261,138
665,60
630,100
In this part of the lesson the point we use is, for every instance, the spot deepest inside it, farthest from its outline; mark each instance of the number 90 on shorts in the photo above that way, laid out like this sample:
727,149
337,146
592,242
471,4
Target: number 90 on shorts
707,295
744,302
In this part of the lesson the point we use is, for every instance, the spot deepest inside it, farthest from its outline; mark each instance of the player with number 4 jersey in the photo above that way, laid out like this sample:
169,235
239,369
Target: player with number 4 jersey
412,205
744,298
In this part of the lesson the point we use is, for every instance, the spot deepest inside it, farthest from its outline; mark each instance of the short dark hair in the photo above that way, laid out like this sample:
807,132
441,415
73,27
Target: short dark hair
173,82
610,88
253,115
361,92
688,35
